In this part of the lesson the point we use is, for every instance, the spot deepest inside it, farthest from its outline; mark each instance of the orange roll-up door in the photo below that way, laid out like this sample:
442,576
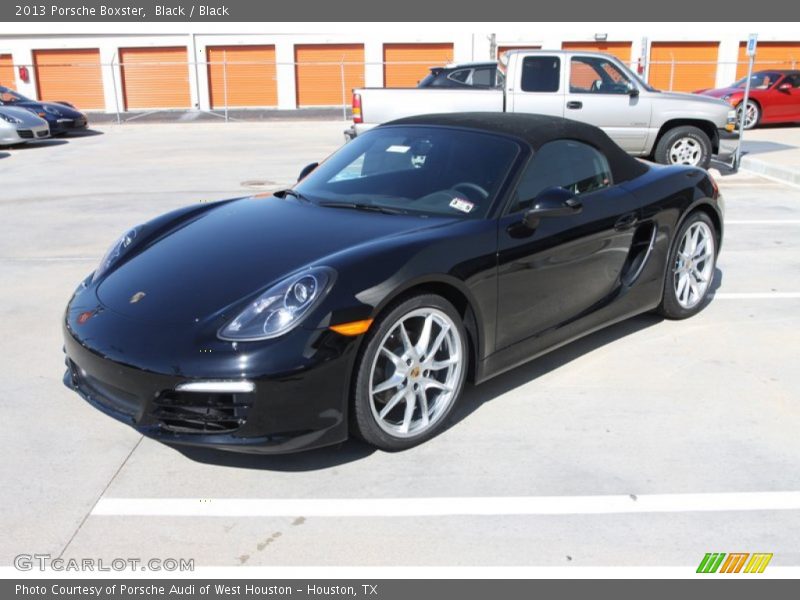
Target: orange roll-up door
406,64
249,72
769,55
7,71
155,77
622,50
72,76
683,66
326,74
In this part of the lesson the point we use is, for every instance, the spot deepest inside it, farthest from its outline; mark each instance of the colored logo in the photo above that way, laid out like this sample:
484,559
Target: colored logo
735,562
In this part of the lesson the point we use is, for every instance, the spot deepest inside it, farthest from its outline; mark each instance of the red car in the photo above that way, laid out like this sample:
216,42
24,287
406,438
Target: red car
774,97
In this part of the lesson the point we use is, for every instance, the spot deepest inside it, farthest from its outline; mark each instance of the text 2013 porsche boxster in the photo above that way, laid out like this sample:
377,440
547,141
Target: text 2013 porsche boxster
429,251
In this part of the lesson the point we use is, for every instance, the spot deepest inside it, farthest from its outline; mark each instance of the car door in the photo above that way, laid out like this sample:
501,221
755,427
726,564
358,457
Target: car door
785,103
537,86
556,272
599,92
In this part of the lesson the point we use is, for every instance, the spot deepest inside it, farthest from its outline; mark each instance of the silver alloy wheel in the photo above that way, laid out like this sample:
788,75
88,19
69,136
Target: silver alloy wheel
412,383
685,151
694,265
750,115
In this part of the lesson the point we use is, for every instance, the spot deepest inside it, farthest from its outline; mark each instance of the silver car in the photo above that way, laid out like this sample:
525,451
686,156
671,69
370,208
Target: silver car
19,125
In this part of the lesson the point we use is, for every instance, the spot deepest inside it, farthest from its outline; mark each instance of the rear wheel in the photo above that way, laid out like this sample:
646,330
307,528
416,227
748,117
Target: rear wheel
410,373
690,269
684,145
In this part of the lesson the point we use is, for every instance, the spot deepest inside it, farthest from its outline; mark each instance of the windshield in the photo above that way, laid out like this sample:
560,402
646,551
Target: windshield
8,96
759,81
417,170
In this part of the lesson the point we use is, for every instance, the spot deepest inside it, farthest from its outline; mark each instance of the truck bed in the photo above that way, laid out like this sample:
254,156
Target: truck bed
380,105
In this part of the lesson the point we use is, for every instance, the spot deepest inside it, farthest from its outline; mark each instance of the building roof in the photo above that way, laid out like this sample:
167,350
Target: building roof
537,130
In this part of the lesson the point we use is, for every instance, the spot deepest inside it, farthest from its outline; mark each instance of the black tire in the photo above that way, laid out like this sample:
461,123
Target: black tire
751,104
689,133
364,422
670,307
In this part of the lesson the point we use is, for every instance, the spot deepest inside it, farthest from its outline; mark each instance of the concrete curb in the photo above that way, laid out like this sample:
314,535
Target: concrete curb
762,167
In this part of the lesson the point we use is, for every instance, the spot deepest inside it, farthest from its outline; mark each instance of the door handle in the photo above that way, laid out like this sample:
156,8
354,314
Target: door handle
626,222
574,104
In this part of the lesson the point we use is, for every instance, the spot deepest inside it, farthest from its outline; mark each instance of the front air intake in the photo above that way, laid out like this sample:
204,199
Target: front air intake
201,412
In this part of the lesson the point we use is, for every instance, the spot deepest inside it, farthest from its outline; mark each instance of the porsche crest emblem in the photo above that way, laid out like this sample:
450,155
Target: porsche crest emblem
136,297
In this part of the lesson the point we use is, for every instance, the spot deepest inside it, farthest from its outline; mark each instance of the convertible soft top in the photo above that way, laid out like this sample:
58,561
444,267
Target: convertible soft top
537,130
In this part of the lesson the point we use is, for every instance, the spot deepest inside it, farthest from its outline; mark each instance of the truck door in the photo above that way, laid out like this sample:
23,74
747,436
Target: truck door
537,85
600,93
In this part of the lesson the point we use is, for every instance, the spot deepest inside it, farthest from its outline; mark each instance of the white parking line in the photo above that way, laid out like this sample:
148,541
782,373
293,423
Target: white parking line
763,222
756,295
418,507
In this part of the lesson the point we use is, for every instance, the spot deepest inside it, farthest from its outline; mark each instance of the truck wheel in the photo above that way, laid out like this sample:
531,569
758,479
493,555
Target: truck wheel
685,145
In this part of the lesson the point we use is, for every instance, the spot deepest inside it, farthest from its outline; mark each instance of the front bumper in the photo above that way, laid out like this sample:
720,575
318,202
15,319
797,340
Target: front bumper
287,411
65,125
25,134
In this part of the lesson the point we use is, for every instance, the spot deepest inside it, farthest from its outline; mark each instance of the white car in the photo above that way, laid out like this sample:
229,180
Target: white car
19,126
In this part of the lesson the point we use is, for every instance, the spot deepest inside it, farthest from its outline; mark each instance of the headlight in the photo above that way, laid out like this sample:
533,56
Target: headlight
116,250
281,308
10,119
53,111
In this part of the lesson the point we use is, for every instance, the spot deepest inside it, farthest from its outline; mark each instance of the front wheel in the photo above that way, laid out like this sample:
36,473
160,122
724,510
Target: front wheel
410,373
752,114
690,270
685,145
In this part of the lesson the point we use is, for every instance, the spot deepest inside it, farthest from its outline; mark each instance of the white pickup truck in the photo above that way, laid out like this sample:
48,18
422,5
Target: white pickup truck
596,88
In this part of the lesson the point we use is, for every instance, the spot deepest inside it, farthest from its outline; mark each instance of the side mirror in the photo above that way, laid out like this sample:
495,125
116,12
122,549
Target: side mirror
306,170
633,91
552,202
785,87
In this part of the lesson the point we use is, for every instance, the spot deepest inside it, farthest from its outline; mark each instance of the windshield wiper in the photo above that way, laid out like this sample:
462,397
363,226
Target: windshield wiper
367,207
291,192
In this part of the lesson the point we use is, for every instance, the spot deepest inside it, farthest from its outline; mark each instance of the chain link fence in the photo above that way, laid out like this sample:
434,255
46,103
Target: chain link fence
690,76
134,85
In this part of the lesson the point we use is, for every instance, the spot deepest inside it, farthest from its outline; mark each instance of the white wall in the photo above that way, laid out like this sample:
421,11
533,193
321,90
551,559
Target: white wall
471,41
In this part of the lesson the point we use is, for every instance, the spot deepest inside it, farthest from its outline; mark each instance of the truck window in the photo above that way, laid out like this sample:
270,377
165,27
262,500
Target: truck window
594,75
541,73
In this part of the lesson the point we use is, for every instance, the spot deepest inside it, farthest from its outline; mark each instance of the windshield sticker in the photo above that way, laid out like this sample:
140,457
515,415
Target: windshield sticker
398,149
464,206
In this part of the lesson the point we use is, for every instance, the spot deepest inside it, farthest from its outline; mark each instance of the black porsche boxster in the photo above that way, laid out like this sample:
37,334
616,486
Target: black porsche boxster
428,251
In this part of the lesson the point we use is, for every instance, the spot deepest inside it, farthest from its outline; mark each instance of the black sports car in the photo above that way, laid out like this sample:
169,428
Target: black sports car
62,117
428,251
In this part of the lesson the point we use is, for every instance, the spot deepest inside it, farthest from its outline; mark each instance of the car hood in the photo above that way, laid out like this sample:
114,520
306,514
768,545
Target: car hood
235,250
28,118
